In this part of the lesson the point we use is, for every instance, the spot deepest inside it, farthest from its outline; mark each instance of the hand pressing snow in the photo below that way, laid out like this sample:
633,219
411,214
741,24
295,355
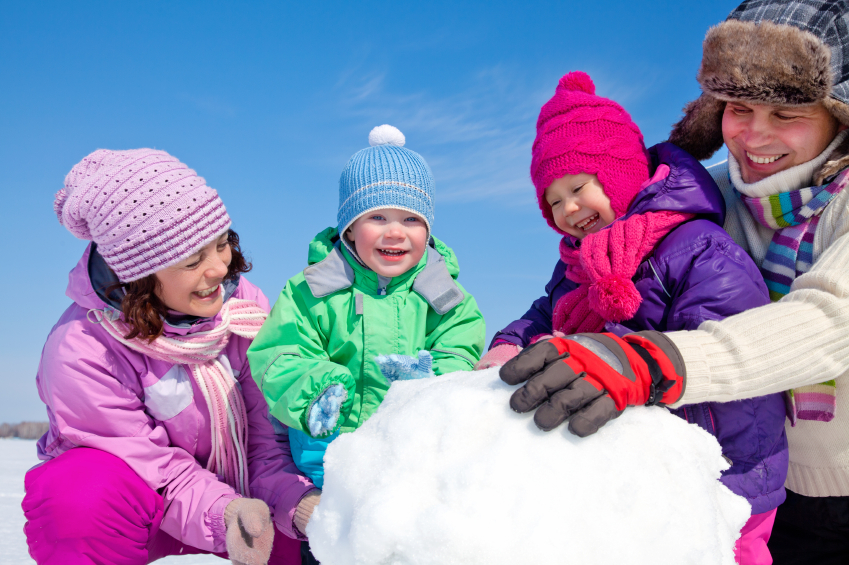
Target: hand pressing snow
404,368
250,531
324,413
304,510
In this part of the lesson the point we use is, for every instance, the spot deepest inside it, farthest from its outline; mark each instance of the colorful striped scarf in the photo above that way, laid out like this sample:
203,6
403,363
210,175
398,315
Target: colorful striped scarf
794,216
200,352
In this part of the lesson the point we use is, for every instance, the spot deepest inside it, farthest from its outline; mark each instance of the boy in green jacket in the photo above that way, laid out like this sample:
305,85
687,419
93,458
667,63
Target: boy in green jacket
377,303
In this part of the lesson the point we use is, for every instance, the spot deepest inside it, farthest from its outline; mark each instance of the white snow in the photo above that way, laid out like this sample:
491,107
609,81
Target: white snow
16,458
445,473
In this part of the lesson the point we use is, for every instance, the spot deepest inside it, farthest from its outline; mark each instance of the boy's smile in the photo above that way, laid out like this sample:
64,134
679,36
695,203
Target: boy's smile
390,241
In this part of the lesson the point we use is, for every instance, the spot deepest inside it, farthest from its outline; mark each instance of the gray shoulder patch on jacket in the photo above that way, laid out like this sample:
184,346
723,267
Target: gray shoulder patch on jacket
329,275
436,285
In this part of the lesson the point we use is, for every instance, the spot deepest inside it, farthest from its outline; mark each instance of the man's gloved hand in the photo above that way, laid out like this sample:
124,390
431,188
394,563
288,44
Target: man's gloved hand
324,413
404,368
250,531
497,356
591,378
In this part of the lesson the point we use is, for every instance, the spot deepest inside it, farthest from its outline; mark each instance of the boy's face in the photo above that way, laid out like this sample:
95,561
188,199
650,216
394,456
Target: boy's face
579,205
389,241
768,139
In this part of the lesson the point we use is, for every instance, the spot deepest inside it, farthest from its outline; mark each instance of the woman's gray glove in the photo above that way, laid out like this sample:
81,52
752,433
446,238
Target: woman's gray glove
250,531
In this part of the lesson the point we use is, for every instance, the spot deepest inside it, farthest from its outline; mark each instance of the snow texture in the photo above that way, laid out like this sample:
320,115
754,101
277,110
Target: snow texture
16,458
445,473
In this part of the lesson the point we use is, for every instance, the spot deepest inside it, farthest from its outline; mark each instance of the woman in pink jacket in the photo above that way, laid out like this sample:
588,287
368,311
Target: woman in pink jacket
159,440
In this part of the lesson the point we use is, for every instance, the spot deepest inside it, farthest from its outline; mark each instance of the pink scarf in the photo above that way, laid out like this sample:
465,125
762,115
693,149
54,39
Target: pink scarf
200,351
603,265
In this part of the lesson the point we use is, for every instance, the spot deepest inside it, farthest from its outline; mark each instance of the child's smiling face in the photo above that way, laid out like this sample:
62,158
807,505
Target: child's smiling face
193,286
389,241
579,205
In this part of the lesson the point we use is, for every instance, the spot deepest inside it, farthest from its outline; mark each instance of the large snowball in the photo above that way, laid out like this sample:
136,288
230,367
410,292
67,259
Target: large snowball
445,473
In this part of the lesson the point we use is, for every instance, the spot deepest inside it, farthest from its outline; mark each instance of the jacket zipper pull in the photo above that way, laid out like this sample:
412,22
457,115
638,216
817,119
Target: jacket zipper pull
382,283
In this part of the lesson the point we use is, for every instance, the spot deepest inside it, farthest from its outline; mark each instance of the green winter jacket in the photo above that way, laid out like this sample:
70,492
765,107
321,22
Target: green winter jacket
333,318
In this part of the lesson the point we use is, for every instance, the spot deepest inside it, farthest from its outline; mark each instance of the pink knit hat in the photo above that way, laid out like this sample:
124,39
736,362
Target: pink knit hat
143,208
579,132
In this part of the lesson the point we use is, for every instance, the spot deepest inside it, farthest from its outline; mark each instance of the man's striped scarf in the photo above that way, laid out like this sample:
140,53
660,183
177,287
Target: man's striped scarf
794,216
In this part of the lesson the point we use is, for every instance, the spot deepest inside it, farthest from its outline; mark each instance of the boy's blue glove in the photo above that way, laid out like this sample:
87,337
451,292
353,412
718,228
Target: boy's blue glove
324,413
404,368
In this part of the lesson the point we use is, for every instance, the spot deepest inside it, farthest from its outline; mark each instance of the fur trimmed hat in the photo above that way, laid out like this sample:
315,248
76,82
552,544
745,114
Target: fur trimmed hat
769,52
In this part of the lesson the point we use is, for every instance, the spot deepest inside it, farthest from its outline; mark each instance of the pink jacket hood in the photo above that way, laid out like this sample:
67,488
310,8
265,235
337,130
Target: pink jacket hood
150,413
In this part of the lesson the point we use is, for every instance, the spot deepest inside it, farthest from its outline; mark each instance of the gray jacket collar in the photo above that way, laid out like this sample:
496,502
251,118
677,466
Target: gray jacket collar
434,283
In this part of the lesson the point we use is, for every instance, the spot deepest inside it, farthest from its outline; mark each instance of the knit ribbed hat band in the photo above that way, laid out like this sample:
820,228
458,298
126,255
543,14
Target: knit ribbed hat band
385,175
145,209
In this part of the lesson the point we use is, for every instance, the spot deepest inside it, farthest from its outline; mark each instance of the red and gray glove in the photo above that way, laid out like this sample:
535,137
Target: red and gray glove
590,379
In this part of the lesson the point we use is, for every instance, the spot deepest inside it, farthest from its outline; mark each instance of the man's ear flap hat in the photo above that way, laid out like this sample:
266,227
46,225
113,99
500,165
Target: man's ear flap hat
769,52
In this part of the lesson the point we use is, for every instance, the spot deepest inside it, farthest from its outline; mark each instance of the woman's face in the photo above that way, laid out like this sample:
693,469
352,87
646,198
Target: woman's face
769,139
193,286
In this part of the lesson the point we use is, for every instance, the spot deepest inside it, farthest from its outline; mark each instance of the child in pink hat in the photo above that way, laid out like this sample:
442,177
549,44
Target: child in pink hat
159,441
643,249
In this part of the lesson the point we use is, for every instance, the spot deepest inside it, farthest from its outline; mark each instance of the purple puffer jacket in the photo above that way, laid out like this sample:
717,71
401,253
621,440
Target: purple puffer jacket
696,273
151,414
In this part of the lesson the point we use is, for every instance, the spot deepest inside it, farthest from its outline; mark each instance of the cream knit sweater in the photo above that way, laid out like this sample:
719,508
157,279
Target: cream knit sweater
802,339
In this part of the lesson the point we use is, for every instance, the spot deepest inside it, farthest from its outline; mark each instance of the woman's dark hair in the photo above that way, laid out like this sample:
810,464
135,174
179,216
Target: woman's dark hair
144,311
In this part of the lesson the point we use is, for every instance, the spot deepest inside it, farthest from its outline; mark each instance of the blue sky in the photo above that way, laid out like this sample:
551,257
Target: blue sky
268,100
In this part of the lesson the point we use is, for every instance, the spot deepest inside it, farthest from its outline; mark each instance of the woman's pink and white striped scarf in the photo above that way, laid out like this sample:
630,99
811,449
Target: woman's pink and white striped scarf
201,351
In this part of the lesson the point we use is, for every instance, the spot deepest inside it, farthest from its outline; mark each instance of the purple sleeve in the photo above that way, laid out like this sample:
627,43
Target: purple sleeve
718,281
273,474
537,320
274,478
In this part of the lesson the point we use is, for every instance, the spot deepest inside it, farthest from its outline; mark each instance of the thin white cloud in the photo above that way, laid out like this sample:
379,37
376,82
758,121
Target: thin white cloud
476,141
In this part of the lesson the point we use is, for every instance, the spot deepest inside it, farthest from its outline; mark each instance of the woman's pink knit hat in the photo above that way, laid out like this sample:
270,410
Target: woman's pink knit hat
579,132
143,208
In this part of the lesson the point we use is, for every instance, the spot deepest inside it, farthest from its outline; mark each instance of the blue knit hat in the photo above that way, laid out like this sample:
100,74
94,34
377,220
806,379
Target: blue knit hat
385,175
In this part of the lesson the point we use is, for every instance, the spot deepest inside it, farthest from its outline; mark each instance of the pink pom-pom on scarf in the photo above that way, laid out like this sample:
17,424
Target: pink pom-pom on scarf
615,298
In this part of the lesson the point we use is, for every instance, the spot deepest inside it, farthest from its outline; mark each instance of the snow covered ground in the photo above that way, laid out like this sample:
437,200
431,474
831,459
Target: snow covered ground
446,474
16,457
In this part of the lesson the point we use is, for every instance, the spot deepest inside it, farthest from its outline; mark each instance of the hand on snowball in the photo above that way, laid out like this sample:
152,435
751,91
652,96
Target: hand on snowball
305,508
250,531
591,378
497,356
324,413
404,368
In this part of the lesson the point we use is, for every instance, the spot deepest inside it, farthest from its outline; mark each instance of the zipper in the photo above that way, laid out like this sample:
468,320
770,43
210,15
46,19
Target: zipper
382,283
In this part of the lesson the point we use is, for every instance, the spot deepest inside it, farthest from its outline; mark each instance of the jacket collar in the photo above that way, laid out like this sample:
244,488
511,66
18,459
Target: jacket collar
431,281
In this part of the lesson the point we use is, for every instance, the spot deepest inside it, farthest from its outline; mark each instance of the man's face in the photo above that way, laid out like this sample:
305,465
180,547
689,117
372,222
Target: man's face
768,139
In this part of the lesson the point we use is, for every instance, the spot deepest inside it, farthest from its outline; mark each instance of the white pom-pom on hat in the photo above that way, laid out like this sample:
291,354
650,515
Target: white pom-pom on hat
386,135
